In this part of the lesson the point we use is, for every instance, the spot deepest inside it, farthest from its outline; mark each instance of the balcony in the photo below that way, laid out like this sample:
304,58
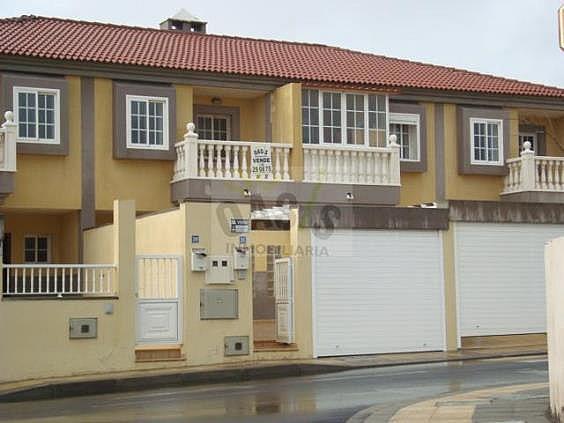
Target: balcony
271,172
534,178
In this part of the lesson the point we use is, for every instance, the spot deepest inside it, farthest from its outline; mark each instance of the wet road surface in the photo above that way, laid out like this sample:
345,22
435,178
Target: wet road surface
325,398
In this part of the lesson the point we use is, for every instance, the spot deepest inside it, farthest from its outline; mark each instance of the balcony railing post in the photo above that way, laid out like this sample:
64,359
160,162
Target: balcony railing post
528,168
9,128
394,177
191,151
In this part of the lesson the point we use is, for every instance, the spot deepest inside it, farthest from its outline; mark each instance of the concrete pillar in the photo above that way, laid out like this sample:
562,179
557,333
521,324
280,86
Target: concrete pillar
451,312
124,258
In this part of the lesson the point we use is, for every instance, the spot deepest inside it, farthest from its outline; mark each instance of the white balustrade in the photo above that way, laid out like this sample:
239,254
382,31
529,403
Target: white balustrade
534,173
344,164
197,158
8,143
59,280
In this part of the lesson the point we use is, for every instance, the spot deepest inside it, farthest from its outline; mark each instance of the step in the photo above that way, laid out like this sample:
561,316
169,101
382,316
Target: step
155,353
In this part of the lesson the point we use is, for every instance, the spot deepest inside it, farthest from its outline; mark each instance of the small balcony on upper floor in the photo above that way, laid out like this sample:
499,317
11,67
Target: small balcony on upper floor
273,172
537,174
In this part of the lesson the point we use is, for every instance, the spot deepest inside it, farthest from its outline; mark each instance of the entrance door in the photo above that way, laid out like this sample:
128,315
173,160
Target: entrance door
284,300
159,285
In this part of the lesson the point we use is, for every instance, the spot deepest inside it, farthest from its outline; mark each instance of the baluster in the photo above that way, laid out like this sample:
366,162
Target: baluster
314,166
211,173
244,173
277,166
346,171
32,281
361,167
219,165
338,167
307,164
228,173
330,165
543,178
286,163
385,167
63,274
354,167
79,279
322,166
555,175
550,179
236,173
561,170
202,169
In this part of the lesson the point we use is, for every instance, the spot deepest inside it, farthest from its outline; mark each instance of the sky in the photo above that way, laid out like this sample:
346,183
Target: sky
511,38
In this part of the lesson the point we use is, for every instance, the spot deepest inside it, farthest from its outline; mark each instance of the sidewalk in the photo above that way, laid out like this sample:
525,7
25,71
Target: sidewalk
516,404
236,372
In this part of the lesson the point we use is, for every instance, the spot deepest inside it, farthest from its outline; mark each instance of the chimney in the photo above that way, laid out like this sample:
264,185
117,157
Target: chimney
184,21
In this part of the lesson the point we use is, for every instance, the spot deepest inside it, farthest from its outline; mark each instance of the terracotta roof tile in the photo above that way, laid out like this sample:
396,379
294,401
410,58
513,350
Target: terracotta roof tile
62,39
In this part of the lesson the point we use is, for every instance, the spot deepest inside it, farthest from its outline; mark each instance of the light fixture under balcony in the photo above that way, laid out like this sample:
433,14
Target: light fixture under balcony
349,196
216,101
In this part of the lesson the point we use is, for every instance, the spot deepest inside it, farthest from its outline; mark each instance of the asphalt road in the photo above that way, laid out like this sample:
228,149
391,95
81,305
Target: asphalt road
326,398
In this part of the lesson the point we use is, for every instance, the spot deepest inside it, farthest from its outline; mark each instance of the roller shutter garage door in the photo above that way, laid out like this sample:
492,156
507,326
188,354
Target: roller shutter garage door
377,291
500,277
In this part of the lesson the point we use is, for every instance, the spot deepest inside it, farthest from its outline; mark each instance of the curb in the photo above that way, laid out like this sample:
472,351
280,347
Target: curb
116,384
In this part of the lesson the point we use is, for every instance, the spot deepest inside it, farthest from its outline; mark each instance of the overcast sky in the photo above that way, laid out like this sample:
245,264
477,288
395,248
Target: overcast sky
512,38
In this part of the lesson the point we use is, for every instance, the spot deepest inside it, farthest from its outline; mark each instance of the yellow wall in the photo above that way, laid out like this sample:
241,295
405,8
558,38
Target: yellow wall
465,187
39,178
145,181
161,233
417,188
251,115
287,123
184,109
62,229
260,240
99,245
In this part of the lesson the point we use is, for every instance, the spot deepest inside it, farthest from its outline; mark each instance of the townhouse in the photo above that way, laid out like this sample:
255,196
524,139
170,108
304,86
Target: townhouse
291,200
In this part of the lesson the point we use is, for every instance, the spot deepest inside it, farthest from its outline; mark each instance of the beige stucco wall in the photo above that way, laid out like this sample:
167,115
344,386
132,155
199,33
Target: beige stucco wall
39,178
61,228
251,114
145,181
286,118
554,271
160,233
465,187
98,245
417,188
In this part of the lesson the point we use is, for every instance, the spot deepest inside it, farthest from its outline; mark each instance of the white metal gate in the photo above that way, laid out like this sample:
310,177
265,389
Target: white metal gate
159,290
284,300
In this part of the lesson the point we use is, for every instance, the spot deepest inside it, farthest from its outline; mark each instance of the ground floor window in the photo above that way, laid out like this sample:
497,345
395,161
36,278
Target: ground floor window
36,249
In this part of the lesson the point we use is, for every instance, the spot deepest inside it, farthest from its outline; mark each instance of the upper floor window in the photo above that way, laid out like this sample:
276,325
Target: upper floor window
37,114
405,127
486,141
147,122
344,118
214,127
36,249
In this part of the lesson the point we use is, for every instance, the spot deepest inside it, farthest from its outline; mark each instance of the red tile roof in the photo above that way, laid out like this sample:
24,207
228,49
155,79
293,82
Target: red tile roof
62,39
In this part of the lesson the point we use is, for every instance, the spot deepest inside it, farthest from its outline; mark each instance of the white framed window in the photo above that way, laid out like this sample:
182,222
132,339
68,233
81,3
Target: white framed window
406,127
37,249
310,116
37,113
147,122
530,137
486,143
330,117
213,127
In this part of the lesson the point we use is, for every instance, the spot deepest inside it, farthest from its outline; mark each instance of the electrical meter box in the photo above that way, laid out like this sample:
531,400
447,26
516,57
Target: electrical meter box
199,260
83,328
219,304
241,258
220,270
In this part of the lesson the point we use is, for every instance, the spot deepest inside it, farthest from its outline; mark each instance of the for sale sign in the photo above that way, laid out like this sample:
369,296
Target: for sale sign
261,162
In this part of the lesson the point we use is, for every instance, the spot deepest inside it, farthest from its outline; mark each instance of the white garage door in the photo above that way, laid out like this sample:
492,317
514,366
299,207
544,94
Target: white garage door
500,277
377,291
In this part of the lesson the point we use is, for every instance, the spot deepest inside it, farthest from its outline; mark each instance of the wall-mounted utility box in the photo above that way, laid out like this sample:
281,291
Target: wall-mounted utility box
83,328
236,345
199,260
220,270
219,304
240,258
